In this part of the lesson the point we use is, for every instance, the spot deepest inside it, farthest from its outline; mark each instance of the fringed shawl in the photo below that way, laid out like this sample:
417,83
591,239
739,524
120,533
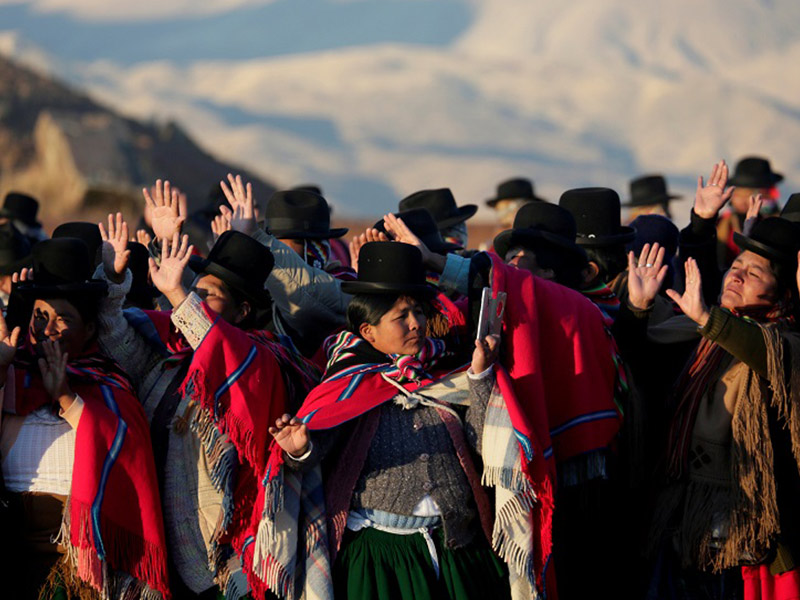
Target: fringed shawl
750,508
112,525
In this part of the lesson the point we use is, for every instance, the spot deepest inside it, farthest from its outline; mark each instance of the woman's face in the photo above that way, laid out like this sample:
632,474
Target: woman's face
219,298
749,282
59,321
401,329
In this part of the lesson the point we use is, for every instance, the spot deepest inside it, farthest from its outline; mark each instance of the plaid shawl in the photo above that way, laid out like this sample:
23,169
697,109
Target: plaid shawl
112,525
513,463
240,382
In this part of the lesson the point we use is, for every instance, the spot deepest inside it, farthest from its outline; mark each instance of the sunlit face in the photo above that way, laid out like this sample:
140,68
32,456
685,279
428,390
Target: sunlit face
219,299
523,258
401,329
59,321
749,283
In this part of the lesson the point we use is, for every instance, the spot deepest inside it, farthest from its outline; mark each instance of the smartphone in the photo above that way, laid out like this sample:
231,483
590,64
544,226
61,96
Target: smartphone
490,319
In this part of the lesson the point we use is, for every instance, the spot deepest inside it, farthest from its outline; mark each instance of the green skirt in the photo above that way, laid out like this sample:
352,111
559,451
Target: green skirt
375,565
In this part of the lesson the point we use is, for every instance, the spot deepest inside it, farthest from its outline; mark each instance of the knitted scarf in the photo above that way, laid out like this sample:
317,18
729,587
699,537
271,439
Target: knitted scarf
605,299
318,254
239,382
112,525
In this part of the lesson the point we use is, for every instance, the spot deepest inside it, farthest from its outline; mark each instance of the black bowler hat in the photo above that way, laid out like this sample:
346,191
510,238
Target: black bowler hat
754,172
15,250
422,225
540,223
650,189
309,187
21,207
241,262
515,189
88,232
442,206
300,214
597,215
63,269
774,238
791,212
389,268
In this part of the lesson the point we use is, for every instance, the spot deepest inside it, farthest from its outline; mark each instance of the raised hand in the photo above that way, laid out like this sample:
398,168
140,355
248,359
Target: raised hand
168,275
291,435
753,212
401,233
115,248
164,207
8,346
709,199
485,353
369,235
691,301
240,198
26,274
143,237
222,222
53,368
645,276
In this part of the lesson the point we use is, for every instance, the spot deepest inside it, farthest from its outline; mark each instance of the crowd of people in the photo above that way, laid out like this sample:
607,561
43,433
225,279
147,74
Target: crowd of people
234,405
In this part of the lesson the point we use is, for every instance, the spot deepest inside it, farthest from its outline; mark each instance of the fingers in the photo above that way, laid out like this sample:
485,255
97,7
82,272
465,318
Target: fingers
228,193
15,333
148,200
153,267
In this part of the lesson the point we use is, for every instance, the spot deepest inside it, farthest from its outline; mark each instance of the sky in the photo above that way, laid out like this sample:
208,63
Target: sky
376,99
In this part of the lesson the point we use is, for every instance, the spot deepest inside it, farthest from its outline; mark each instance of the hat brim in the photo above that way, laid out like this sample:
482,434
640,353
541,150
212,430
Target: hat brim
748,182
493,201
35,290
464,212
6,214
664,199
367,287
299,234
748,243
625,235
529,238
202,266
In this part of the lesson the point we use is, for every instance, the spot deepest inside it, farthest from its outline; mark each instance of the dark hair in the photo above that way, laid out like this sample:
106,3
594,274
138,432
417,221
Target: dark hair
254,316
785,277
370,308
610,260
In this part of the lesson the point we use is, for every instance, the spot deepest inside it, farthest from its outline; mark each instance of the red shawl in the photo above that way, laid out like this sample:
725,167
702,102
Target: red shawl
113,516
241,381
558,348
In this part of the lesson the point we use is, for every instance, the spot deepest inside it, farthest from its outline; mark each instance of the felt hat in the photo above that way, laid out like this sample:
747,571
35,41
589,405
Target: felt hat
650,189
515,189
63,269
422,225
791,211
652,229
309,187
539,223
754,172
389,268
442,206
21,207
300,214
597,216
241,262
774,238
15,250
88,232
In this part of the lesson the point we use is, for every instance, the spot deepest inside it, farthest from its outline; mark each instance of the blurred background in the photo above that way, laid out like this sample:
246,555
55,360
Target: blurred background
375,99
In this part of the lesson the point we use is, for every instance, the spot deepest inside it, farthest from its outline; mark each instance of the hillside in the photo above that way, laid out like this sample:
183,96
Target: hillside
82,159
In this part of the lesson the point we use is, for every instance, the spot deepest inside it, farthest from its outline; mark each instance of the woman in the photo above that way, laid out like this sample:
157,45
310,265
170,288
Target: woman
408,517
731,487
